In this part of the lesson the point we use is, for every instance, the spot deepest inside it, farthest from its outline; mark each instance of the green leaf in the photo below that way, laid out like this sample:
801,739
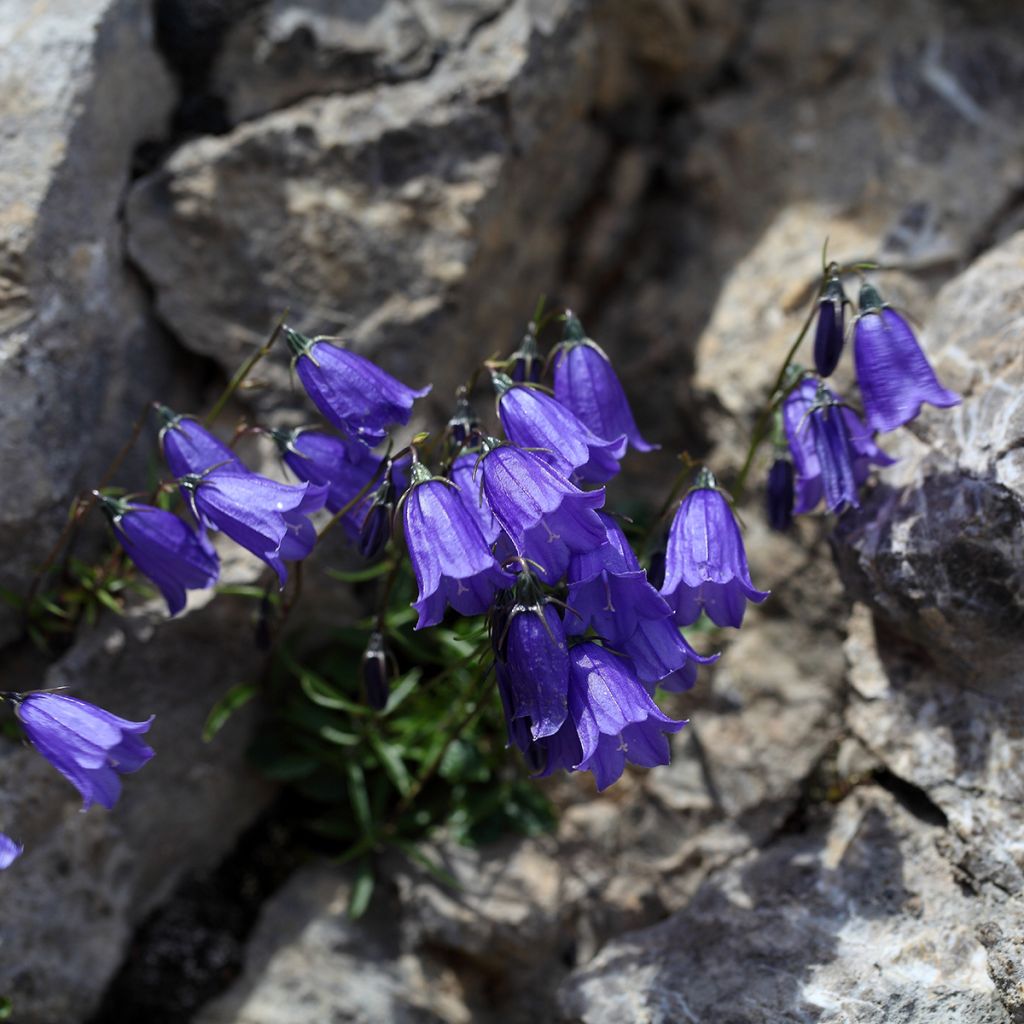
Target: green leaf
244,590
237,697
462,762
362,889
371,572
403,687
109,601
391,759
414,853
6,1008
320,692
359,796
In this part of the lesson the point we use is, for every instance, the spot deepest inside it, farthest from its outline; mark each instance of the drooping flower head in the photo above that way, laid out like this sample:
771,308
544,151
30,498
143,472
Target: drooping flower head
450,557
264,517
188,447
894,376
10,851
353,394
469,482
705,564
544,516
780,493
829,334
164,548
344,467
831,447
90,747
586,384
535,420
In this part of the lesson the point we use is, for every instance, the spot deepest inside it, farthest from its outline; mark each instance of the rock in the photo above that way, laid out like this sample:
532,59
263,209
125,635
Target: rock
859,920
81,354
85,880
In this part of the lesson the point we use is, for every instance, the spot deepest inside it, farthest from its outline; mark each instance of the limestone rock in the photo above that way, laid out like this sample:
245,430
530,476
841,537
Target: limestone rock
83,85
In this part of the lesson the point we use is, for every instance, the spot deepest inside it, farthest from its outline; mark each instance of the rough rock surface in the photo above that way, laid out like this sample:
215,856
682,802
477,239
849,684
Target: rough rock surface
79,351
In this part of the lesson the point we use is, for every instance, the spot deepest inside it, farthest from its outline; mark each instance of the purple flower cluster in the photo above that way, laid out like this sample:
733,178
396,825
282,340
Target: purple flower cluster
824,449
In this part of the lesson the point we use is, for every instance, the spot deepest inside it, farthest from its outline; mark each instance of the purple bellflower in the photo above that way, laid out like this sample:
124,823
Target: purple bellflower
164,548
353,394
89,746
463,474
586,383
533,419
829,335
705,564
894,376
10,851
344,467
188,447
545,517
261,515
661,654
611,720
533,655
450,557
832,448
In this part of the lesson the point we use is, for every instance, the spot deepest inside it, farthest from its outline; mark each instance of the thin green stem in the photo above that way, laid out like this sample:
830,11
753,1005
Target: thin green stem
243,371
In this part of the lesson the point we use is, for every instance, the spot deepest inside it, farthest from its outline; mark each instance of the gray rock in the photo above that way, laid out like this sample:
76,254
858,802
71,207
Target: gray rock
81,354
860,920
85,880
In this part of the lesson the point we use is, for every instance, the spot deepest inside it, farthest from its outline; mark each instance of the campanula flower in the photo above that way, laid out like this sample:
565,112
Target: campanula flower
188,447
353,394
842,439
261,515
586,383
10,851
535,656
545,517
450,557
705,564
533,419
780,494
661,654
828,337
87,745
893,374
164,548
463,474
343,466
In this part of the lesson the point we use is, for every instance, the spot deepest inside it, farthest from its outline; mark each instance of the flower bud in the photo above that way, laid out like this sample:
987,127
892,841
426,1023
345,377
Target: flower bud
527,362
779,495
464,426
828,339
376,529
376,670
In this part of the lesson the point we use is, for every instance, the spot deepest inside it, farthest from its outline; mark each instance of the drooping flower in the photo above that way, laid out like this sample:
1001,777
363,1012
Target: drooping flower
188,447
353,394
464,475
533,419
586,383
10,851
450,557
780,494
893,374
164,548
533,653
545,517
848,446
705,564
90,747
261,515
829,335
344,467
661,655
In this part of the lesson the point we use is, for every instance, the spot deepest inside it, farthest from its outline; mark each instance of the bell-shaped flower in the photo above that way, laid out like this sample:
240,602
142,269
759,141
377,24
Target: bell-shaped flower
780,493
164,548
545,517
705,563
894,376
586,383
188,447
469,482
829,334
535,420
89,746
661,655
450,557
841,438
10,851
343,466
354,394
533,656
263,516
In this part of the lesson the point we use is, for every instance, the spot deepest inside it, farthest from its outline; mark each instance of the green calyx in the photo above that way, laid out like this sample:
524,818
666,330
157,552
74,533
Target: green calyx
419,474
869,301
705,479
573,328
299,344
502,382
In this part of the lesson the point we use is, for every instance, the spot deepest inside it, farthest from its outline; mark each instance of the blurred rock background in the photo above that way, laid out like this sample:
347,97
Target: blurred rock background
840,837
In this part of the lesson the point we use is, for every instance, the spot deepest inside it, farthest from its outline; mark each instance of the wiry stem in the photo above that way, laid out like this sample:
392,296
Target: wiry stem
243,371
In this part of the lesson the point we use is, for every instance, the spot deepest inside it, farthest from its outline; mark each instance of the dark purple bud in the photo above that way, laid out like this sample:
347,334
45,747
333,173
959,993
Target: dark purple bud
464,426
779,495
376,530
828,339
376,669
527,362
894,376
